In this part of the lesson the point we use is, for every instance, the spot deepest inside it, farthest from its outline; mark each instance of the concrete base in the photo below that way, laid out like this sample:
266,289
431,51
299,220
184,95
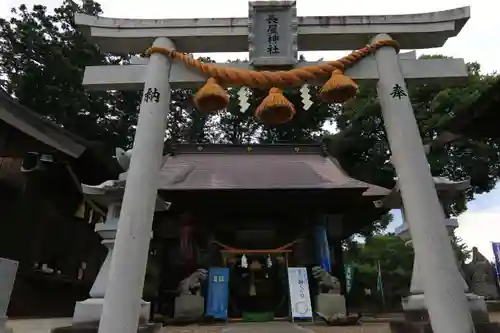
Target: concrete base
189,306
90,310
417,318
3,325
402,326
416,303
93,327
330,304
493,306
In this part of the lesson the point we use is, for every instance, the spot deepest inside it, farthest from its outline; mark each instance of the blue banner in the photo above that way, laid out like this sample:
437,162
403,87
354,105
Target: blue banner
496,252
322,248
218,293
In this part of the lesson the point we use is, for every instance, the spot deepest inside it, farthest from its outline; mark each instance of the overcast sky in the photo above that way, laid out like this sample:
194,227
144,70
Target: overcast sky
478,41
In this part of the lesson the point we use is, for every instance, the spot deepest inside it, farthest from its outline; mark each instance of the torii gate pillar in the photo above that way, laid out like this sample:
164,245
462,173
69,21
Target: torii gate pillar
121,308
446,301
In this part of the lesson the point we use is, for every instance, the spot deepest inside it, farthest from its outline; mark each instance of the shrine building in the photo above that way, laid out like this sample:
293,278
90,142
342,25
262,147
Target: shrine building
256,209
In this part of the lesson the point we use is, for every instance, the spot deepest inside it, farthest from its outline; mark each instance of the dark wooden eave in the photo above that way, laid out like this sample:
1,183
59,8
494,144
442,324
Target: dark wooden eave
45,131
22,131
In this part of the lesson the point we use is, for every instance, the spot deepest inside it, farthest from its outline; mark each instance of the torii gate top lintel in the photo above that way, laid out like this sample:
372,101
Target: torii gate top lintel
202,35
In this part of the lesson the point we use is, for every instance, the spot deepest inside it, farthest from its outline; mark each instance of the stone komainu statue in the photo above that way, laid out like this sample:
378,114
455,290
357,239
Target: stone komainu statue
326,282
192,284
480,276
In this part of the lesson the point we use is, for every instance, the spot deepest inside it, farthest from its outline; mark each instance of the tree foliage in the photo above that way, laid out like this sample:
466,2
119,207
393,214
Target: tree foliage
42,59
396,263
462,251
364,151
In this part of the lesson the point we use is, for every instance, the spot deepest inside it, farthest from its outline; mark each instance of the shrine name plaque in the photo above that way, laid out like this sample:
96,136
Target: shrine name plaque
272,33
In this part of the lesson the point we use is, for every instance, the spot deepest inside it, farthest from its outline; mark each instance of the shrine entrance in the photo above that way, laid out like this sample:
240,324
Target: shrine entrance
258,283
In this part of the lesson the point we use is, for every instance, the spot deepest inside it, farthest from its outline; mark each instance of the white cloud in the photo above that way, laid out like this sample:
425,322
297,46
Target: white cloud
480,228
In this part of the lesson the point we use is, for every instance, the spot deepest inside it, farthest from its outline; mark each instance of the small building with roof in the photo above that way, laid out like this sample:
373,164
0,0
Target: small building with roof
47,225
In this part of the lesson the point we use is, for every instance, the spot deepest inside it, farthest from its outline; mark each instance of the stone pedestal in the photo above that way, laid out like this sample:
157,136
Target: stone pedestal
8,270
414,306
189,306
93,327
329,305
90,310
493,305
416,317
3,325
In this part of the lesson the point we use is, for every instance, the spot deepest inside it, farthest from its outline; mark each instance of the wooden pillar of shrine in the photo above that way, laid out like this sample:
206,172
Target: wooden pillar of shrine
338,263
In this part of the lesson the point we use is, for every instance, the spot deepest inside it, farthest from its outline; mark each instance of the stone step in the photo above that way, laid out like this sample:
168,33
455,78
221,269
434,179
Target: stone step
268,327
94,327
402,326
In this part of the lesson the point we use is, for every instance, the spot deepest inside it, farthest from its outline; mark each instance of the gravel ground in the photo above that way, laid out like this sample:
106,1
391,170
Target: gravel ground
45,325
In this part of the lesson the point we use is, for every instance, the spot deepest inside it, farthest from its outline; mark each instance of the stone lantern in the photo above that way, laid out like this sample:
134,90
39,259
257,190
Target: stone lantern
414,305
108,194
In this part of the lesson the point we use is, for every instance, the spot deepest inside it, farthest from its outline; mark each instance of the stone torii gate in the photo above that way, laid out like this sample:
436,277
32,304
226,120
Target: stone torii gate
166,69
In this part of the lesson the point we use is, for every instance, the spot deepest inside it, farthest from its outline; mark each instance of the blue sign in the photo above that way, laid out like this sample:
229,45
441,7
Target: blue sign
496,252
322,248
218,293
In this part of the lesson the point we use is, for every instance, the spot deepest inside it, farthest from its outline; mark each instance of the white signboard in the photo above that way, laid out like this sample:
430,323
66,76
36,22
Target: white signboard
300,299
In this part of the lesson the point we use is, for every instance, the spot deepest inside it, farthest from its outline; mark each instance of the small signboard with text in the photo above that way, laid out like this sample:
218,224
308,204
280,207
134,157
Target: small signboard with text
272,33
300,299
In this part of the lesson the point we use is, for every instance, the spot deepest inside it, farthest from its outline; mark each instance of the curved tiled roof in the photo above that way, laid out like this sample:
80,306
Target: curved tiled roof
238,167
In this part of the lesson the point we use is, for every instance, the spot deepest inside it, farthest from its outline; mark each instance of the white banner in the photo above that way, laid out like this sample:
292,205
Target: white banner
300,299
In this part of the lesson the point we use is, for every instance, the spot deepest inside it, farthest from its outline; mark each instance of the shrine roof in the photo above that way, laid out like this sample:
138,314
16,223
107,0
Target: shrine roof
26,131
32,124
257,167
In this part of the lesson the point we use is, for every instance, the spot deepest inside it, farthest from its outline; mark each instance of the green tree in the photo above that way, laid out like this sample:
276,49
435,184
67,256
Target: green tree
461,249
396,264
43,57
363,150
42,60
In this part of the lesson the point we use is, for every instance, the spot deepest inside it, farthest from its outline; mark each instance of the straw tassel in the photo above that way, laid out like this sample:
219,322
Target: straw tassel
339,88
211,97
275,109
